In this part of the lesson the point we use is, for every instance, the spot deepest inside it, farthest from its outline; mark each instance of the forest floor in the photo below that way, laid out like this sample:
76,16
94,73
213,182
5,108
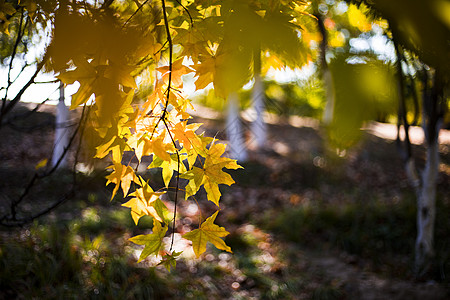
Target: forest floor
305,222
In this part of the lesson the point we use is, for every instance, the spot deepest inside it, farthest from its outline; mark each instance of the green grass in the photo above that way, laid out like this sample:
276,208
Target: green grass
80,258
382,234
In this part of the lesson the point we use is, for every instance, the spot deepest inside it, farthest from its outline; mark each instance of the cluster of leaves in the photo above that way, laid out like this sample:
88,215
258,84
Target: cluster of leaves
21,21
129,59
108,46
105,62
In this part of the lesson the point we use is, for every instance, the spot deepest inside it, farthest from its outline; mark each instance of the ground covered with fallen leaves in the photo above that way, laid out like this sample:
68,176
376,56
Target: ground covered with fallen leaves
305,222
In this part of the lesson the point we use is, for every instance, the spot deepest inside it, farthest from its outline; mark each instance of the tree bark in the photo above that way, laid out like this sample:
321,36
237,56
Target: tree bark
426,199
327,77
426,210
61,131
237,147
258,127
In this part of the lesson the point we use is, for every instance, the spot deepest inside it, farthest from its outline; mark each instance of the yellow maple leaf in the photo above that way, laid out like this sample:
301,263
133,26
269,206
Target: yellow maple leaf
186,135
211,175
41,164
138,208
178,69
142,203
195,177
208,232
206,71
168,167
86,74
214,175
122,176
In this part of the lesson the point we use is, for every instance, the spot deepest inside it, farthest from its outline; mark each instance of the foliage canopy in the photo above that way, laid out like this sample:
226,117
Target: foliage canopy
129,58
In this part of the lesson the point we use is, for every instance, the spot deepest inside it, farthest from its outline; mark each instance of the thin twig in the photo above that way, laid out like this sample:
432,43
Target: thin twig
169,41
38,176
26,114
186,10
137,10
6,109
13,54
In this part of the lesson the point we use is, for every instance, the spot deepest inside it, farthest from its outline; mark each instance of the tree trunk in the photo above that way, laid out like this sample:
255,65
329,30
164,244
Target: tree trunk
258,127
425,185
237,147
329,94
326,74
61,131
426,200
426,210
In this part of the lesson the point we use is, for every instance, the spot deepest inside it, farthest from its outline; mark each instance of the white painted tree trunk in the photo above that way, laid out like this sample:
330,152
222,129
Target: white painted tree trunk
426,205
234,130
61,141
258,127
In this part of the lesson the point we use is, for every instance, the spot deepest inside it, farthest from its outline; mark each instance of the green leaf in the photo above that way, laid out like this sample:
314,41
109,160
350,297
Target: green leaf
169,260
161,210
152,242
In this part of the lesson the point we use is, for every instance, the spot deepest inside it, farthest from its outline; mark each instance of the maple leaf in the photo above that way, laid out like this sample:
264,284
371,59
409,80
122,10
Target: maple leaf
193,42
198,149
208,232
41,164
103,149
86,75
195,177
114,145
178,69
211,175
160,148
144,203
168,167
138,209
120,74
162,211
186,135
146,146
206,71
153,242
122,176
5,10
169,260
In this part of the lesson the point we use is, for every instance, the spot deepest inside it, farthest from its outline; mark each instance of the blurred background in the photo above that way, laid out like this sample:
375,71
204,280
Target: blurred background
335,127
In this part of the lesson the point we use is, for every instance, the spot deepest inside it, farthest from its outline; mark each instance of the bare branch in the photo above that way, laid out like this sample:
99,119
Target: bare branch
16,44
7,108
11,218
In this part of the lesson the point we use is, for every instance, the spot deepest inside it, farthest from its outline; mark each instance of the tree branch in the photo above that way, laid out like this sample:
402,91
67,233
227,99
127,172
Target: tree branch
136,11
402,118
169,40
13,54
6,109
11,218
